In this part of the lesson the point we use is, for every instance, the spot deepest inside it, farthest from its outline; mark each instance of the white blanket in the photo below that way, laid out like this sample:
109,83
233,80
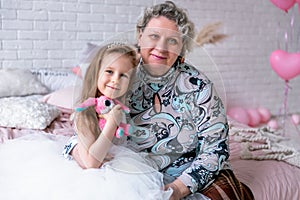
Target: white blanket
32,167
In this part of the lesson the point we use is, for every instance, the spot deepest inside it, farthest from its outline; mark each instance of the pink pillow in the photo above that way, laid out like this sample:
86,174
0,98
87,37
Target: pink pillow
64,99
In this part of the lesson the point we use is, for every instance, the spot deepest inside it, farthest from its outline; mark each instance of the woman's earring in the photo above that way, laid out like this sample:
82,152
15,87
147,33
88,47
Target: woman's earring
138,48
181,59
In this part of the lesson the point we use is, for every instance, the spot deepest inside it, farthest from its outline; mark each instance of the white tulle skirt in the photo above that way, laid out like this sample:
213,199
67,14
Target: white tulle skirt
32,167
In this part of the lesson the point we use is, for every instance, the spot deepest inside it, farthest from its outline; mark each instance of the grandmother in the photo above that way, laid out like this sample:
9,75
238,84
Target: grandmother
178,117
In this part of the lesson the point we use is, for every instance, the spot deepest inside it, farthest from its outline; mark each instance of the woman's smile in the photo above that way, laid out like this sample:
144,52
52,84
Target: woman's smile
158,57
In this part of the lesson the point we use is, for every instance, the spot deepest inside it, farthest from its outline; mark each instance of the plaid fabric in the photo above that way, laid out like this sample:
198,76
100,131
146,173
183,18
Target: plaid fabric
228,187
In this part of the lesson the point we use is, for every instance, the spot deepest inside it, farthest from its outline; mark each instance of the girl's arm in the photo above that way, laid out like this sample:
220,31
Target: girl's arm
92,151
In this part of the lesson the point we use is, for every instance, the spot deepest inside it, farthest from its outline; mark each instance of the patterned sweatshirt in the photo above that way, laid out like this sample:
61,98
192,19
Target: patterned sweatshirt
179,119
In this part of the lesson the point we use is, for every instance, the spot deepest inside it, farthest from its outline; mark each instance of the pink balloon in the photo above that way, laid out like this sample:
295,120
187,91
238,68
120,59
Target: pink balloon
284,5
254,117
286,65
265,114
273,124
239,114
295,119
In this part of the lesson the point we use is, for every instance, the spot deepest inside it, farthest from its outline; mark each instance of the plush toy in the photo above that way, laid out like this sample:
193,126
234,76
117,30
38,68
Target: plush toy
102,106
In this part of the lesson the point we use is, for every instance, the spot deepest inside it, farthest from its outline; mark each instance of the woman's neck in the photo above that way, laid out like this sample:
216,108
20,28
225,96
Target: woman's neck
156,71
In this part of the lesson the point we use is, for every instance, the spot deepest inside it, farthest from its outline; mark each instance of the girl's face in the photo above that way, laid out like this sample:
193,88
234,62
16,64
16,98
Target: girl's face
114,75
160,44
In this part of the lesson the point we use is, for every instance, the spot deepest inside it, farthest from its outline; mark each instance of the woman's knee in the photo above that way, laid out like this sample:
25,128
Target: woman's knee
227,186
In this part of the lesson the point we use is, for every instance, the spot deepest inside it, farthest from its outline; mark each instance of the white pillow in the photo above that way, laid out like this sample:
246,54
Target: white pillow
56,79
26,113
19,82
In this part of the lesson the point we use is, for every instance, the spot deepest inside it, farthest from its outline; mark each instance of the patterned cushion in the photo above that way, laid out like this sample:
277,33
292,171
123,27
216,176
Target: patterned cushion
26,112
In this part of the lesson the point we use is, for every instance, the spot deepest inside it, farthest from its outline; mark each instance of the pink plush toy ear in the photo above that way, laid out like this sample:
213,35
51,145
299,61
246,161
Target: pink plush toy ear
87,103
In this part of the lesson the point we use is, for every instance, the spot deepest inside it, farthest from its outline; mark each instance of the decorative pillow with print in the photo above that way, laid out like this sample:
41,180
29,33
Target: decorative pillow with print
56,79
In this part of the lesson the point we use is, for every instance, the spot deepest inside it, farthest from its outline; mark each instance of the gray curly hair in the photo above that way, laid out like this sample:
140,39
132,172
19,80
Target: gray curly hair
172,12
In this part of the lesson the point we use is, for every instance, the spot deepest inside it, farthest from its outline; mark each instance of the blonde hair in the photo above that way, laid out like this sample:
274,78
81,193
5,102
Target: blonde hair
88,119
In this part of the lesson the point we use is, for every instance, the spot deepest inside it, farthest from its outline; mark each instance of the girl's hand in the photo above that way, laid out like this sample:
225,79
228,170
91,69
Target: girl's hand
115,115
108,158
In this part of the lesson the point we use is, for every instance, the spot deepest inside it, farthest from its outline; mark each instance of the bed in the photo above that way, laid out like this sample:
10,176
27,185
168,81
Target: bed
266,161
35,111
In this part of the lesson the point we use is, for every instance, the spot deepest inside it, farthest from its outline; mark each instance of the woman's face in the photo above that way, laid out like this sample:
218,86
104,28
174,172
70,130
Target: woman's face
160,44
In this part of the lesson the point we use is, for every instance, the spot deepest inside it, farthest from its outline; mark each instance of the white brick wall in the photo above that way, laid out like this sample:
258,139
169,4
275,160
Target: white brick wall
52,33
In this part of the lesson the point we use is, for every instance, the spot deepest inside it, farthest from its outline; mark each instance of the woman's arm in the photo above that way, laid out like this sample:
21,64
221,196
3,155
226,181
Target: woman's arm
212,147
91,152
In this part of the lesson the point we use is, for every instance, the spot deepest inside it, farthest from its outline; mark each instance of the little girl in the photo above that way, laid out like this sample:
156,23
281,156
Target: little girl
108,75
126,172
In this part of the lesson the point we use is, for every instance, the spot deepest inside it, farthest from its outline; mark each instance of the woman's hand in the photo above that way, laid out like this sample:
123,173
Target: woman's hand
176,193
179,190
